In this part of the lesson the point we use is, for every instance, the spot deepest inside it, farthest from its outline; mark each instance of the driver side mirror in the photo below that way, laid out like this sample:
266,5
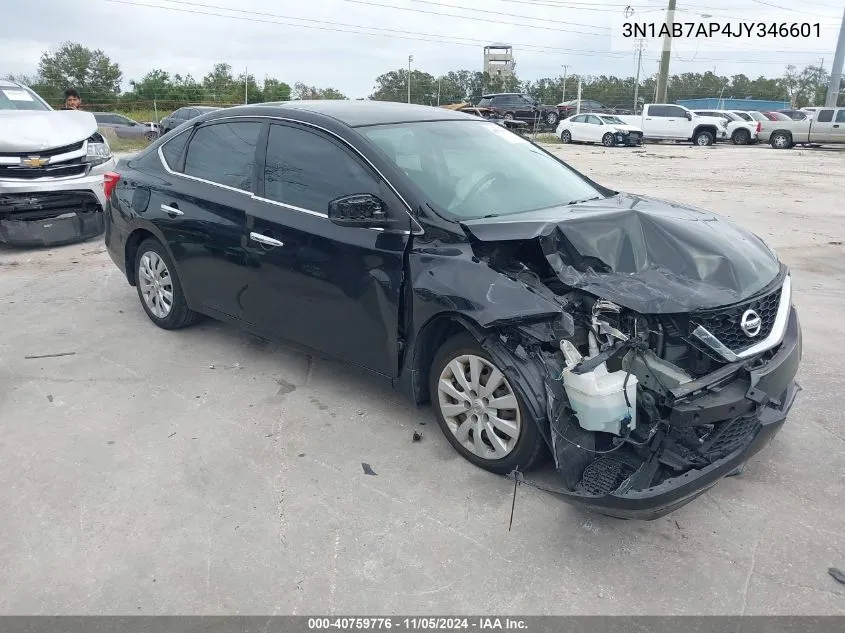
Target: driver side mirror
360,209
689,115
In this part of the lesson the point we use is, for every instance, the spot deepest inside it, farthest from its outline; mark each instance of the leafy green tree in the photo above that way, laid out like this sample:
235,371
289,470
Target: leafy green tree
305,92
275,90
89,71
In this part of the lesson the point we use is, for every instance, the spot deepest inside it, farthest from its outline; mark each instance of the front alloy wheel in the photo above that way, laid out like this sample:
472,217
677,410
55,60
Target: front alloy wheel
479,410
608,140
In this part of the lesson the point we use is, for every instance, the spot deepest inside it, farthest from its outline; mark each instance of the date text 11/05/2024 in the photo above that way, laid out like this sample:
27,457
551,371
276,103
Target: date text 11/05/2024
417,623
720,29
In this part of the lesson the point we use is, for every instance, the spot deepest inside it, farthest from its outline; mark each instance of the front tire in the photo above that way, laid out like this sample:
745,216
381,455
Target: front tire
508,116
159,288
481,414
552,118
607,140
566,136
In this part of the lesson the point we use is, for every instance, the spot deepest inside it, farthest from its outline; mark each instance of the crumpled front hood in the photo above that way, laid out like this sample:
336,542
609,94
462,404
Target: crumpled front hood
36,130
645,254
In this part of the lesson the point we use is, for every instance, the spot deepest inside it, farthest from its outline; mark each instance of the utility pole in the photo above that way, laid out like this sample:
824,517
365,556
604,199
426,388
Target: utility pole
578,103
246,83
438,90
410,59
640,45
563,91
663,79
836,70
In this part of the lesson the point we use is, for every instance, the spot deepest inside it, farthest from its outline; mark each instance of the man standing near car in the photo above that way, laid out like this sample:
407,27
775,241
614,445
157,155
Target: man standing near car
72,100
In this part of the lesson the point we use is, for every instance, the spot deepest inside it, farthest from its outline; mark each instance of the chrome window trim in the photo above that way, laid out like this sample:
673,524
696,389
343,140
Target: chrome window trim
418,227
774,338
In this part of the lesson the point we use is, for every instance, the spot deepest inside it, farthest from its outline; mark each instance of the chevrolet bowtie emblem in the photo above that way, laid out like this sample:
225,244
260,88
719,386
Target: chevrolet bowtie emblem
34,161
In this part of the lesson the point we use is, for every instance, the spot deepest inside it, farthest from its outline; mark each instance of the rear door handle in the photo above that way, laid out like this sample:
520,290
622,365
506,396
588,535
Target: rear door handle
263,239
835,126
171,210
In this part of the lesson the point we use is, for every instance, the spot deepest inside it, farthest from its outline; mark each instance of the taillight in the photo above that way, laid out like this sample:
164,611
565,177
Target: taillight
759,126
110,179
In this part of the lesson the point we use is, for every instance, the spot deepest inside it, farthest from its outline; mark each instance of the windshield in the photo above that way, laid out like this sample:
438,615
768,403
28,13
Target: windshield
473,169
19,98
612,120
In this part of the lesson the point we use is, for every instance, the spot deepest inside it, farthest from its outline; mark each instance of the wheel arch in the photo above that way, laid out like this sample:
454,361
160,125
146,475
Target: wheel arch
137,234
705,128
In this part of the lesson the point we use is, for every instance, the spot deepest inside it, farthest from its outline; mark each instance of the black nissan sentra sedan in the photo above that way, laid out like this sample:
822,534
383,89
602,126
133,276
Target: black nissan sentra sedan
649,347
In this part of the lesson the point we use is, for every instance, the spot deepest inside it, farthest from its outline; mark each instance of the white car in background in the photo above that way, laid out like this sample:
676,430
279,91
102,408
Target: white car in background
55,171
741,131
607,129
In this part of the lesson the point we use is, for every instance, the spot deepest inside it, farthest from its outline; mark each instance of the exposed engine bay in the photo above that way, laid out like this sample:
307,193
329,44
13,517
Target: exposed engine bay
636,400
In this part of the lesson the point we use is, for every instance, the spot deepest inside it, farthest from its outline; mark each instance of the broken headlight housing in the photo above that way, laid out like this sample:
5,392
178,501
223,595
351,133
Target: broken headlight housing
98,150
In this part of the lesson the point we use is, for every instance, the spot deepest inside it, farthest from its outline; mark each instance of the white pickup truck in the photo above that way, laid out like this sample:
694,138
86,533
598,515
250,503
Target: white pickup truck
826,127
667,121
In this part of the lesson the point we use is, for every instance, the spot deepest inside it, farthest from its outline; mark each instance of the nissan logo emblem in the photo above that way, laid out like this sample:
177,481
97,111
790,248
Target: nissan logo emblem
750,323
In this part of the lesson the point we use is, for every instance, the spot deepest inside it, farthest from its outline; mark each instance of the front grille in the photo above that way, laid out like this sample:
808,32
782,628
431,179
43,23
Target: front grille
724,323
67,169
41,206
53,151
732,436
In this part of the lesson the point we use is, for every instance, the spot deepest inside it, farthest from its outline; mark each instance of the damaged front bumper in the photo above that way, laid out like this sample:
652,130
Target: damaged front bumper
751,404
53,211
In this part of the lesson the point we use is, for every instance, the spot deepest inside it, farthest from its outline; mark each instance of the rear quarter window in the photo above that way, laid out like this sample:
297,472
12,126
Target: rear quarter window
172,150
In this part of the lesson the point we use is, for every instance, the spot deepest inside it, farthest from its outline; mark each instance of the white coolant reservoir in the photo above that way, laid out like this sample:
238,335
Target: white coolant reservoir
598,396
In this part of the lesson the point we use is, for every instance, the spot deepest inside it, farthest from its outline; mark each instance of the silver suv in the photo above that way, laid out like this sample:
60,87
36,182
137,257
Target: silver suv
54,171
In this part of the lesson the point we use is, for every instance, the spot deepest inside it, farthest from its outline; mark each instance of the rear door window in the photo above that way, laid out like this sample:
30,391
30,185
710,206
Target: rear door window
224,153
658,110
840,116
824,116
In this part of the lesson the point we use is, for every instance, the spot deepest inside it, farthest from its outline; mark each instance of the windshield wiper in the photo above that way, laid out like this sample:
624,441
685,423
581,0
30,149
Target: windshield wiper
584,200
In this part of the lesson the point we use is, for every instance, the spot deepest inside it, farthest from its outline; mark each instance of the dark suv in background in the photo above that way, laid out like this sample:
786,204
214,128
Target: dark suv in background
175,119
520,106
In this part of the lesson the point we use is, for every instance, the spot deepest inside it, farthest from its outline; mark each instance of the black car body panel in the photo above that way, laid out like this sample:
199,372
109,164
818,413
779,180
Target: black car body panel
520,284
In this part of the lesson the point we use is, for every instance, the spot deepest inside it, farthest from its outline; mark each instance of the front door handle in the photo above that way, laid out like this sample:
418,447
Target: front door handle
263,239
835,126
171,210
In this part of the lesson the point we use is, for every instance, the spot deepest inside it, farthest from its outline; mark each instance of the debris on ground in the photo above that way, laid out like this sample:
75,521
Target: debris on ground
50,397
367,469
172,434
837,574
416,437
56,355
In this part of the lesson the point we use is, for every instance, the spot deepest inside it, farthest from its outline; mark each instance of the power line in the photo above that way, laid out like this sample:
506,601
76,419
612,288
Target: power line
584,6
476,19
802,12
512,15
380,31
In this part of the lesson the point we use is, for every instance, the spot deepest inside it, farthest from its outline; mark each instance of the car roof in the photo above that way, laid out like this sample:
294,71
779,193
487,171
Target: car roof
5,83
353,113
501,94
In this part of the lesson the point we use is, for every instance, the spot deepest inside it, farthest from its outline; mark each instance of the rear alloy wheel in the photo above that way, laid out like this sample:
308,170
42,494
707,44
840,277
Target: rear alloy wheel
508,116
552,118
741,137
479,411
703,138
159,288
608,140
781,140
566,136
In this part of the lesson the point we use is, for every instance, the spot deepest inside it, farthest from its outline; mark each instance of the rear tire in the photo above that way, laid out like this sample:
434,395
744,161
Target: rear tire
566,136
508,116
741,137
781,140
479,411
703,138
159,288
552,118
